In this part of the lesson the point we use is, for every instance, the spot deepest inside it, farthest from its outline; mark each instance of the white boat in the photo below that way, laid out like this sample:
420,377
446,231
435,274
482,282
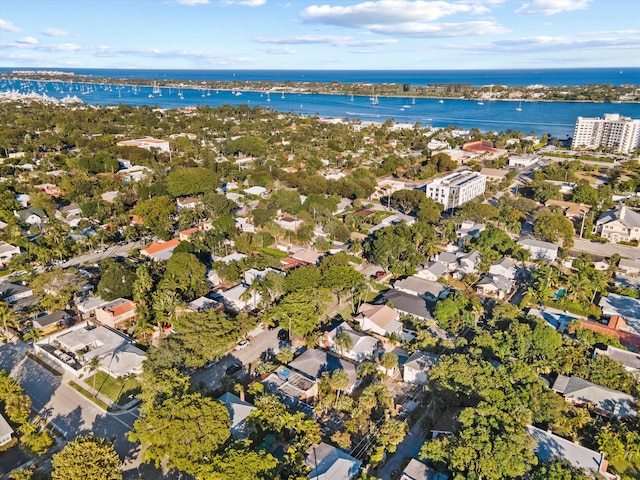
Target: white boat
282,94
413,101
150,96
519,107
352,97
156,88
441,101
268,97
480,102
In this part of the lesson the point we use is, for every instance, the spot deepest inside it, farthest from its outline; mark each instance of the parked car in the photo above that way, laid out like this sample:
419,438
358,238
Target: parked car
242,344
235,368
380,273
283,335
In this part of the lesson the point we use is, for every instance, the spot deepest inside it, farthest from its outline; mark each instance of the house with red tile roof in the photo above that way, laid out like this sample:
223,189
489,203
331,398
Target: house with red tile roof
116,313
160,250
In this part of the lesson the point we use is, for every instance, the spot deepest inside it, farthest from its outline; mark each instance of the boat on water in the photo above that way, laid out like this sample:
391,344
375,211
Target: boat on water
150,96
352,97
441,101
480,102
519,107
268,97
156,88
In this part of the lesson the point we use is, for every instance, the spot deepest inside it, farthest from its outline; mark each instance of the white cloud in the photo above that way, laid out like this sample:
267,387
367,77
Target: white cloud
552,7
543,43
248,3
27,41
387,12
335,40
284,50
55,32
416,29
192,2
8,26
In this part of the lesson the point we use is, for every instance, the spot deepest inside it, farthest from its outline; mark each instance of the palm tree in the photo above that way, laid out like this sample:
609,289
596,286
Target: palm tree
94,365
8,317
143,327
343,342
33,334
338,380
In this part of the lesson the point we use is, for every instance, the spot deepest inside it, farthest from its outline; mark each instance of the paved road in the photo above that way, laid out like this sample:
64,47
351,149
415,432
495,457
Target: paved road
115,251
606,249
71,413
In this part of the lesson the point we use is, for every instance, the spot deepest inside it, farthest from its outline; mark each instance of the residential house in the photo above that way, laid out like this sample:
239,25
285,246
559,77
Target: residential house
258,191
160,250
49,189
386,187
185,235
571,210
617,328
188,202
118,356
430,291
468,229
239,410
330,463
32,216
446,422
391,220
416,368
110,196
244,225
314,362
233,257
240,298
467,264
407,304
71,214
432,270
629,266
288,222
614,305
362,346
505,267
619,225
450,259
416,470
549,446
540,250
629,360
202,304
310,257
148,143
7,252
116,313
51,322
494,286
13,292
5,431
88,306
523,161
379,319
494,174
288,383
605,400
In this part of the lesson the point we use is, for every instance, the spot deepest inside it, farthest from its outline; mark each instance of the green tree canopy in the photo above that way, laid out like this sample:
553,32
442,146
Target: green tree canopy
182,182
87,457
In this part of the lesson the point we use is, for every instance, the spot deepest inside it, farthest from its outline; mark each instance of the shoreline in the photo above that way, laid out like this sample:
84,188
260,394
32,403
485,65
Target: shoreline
281,88
628,94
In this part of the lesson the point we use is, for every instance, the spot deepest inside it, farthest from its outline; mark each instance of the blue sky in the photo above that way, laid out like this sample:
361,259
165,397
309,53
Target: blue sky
329,34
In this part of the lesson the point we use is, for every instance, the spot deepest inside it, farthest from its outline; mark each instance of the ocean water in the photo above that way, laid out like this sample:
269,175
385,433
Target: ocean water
509,77
554,118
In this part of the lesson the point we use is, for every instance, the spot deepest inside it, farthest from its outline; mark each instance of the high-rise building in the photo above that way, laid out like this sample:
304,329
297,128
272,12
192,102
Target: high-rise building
613,131
456,188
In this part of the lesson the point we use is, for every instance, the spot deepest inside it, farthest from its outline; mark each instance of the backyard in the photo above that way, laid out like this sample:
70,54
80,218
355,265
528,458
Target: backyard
118,390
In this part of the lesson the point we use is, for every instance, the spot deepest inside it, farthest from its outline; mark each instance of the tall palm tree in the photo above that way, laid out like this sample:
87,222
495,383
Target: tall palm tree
94,365
8,317
33,334
343,342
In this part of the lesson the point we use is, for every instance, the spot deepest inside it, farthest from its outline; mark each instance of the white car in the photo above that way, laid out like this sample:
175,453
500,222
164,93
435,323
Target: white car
242,344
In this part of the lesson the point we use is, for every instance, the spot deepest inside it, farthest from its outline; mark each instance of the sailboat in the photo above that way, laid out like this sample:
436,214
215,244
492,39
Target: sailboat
268,97
519,107
441,101
156,88
480,102
413,101
352,97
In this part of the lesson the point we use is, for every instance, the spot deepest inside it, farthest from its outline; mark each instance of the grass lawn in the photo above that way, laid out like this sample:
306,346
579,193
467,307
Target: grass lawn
116,389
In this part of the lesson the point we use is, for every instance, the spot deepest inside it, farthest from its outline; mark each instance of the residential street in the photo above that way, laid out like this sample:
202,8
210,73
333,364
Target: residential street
606,249
115,251
71,413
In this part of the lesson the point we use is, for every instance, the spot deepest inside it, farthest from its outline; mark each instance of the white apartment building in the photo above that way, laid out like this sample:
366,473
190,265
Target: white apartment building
456,188
613,130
